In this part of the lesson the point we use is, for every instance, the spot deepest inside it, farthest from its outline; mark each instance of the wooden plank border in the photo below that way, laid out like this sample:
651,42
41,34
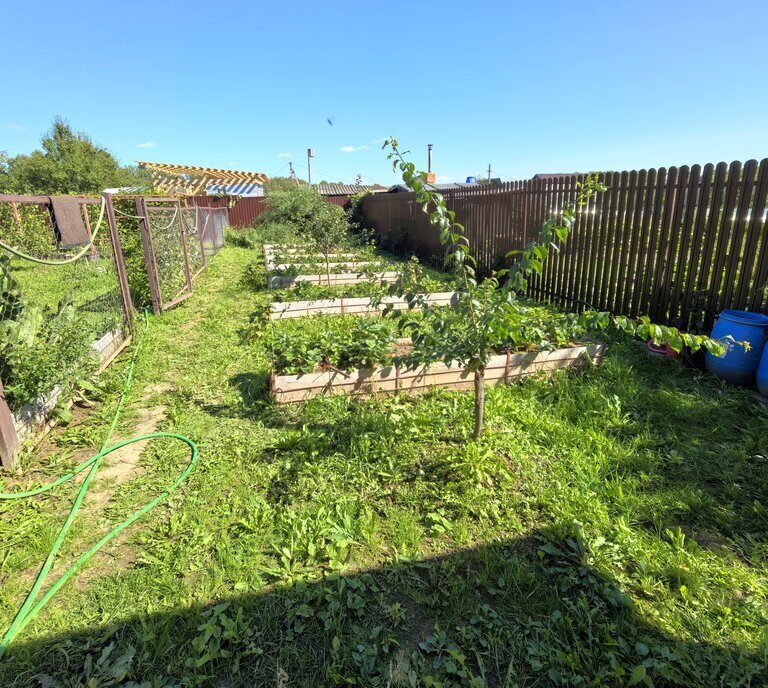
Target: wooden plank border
369,382
281,310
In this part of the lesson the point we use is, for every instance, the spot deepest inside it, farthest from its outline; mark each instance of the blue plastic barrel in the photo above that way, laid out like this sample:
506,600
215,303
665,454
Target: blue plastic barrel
762,373
738,366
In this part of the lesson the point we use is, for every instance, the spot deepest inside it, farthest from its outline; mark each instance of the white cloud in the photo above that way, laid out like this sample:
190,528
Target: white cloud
15,127
443,178
283,155
352,149
146,144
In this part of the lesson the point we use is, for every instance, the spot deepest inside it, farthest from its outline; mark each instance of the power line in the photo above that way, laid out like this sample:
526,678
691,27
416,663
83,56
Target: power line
322,174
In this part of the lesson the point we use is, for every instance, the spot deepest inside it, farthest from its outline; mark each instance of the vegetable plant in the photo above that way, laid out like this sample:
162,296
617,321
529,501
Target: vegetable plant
40,348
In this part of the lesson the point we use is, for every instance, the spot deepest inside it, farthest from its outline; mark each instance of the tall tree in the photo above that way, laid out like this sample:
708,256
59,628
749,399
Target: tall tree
68,162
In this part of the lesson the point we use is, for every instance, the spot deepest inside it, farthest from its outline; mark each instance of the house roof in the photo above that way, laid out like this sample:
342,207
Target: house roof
244,189
348,189
397,188
555,175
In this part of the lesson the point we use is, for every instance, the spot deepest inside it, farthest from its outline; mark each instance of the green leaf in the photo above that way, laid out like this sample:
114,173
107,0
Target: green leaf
638,674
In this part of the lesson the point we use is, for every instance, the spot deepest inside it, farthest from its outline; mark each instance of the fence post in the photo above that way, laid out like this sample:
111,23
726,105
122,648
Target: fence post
9,440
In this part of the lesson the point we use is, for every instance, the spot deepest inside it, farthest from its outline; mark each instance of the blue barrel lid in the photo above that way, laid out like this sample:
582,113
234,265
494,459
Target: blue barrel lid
745,318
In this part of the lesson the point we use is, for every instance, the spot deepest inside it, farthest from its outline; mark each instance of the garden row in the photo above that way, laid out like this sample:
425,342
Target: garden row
331,353
483,329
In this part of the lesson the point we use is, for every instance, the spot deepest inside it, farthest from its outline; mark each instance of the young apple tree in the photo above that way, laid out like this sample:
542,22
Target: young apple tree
327,229
487,316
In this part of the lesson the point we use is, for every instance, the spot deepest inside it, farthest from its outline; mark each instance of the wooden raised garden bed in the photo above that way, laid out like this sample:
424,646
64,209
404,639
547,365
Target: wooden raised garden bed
32,419
352,265
501,369
358,306
336,279
321,277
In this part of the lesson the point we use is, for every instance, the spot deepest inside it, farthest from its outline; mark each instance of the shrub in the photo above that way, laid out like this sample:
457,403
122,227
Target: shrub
291,207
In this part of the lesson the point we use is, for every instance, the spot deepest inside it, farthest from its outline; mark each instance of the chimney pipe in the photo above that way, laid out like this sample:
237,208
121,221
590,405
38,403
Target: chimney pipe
429,157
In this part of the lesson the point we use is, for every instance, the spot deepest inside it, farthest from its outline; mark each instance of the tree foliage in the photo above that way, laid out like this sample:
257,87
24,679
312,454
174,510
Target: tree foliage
274,184
68,162
292,206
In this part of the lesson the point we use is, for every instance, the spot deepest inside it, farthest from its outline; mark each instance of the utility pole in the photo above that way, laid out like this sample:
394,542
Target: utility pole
293,173
489,173
310,155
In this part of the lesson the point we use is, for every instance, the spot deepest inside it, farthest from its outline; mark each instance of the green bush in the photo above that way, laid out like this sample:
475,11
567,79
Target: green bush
293,208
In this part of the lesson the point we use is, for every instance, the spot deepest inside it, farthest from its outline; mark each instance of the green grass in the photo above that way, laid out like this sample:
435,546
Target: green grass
610,526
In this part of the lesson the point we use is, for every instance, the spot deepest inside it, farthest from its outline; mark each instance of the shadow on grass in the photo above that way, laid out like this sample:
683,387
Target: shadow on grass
525,612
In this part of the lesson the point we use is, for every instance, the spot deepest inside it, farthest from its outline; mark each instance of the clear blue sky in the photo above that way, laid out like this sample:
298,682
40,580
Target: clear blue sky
528,87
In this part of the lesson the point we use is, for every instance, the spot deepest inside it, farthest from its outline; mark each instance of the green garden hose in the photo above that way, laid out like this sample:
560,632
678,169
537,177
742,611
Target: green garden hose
30,609
66,261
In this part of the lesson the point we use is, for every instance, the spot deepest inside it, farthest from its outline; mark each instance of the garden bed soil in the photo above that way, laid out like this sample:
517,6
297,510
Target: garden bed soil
367,382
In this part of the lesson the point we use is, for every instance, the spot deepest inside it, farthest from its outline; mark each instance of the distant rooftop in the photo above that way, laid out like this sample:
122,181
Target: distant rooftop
555,175
349,189
244,189
399,188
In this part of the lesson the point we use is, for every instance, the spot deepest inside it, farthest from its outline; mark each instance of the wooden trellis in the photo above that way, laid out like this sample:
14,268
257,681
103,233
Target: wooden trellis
191,180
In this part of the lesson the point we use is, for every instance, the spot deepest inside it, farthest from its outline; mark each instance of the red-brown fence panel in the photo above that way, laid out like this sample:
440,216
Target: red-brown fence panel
677,244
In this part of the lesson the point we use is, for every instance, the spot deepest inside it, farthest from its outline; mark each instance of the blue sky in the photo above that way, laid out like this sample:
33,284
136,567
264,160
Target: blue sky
527,87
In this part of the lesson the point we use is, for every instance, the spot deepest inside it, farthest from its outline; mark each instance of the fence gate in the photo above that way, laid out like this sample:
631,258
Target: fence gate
164,241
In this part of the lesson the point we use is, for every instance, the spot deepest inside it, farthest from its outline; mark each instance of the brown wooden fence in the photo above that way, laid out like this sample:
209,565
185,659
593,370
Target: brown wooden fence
662,242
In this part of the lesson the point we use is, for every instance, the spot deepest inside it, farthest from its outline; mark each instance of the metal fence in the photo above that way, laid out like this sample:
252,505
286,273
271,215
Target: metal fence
177,242
671,243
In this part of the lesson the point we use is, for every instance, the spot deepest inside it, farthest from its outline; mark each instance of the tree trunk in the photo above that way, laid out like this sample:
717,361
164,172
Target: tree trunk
328,268
479,402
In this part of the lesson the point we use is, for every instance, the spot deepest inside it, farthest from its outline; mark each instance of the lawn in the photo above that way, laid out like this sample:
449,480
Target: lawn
610,528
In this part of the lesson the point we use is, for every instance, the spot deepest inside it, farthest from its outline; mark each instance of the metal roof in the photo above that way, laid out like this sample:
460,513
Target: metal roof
554,175
440,187
244,190
128,190
348,189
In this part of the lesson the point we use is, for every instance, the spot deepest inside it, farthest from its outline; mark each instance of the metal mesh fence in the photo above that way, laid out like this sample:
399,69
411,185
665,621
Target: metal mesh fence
166,230
212,222
58,323
190,217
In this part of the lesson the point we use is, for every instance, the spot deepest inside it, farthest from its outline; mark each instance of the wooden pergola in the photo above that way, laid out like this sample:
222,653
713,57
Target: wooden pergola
191,180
